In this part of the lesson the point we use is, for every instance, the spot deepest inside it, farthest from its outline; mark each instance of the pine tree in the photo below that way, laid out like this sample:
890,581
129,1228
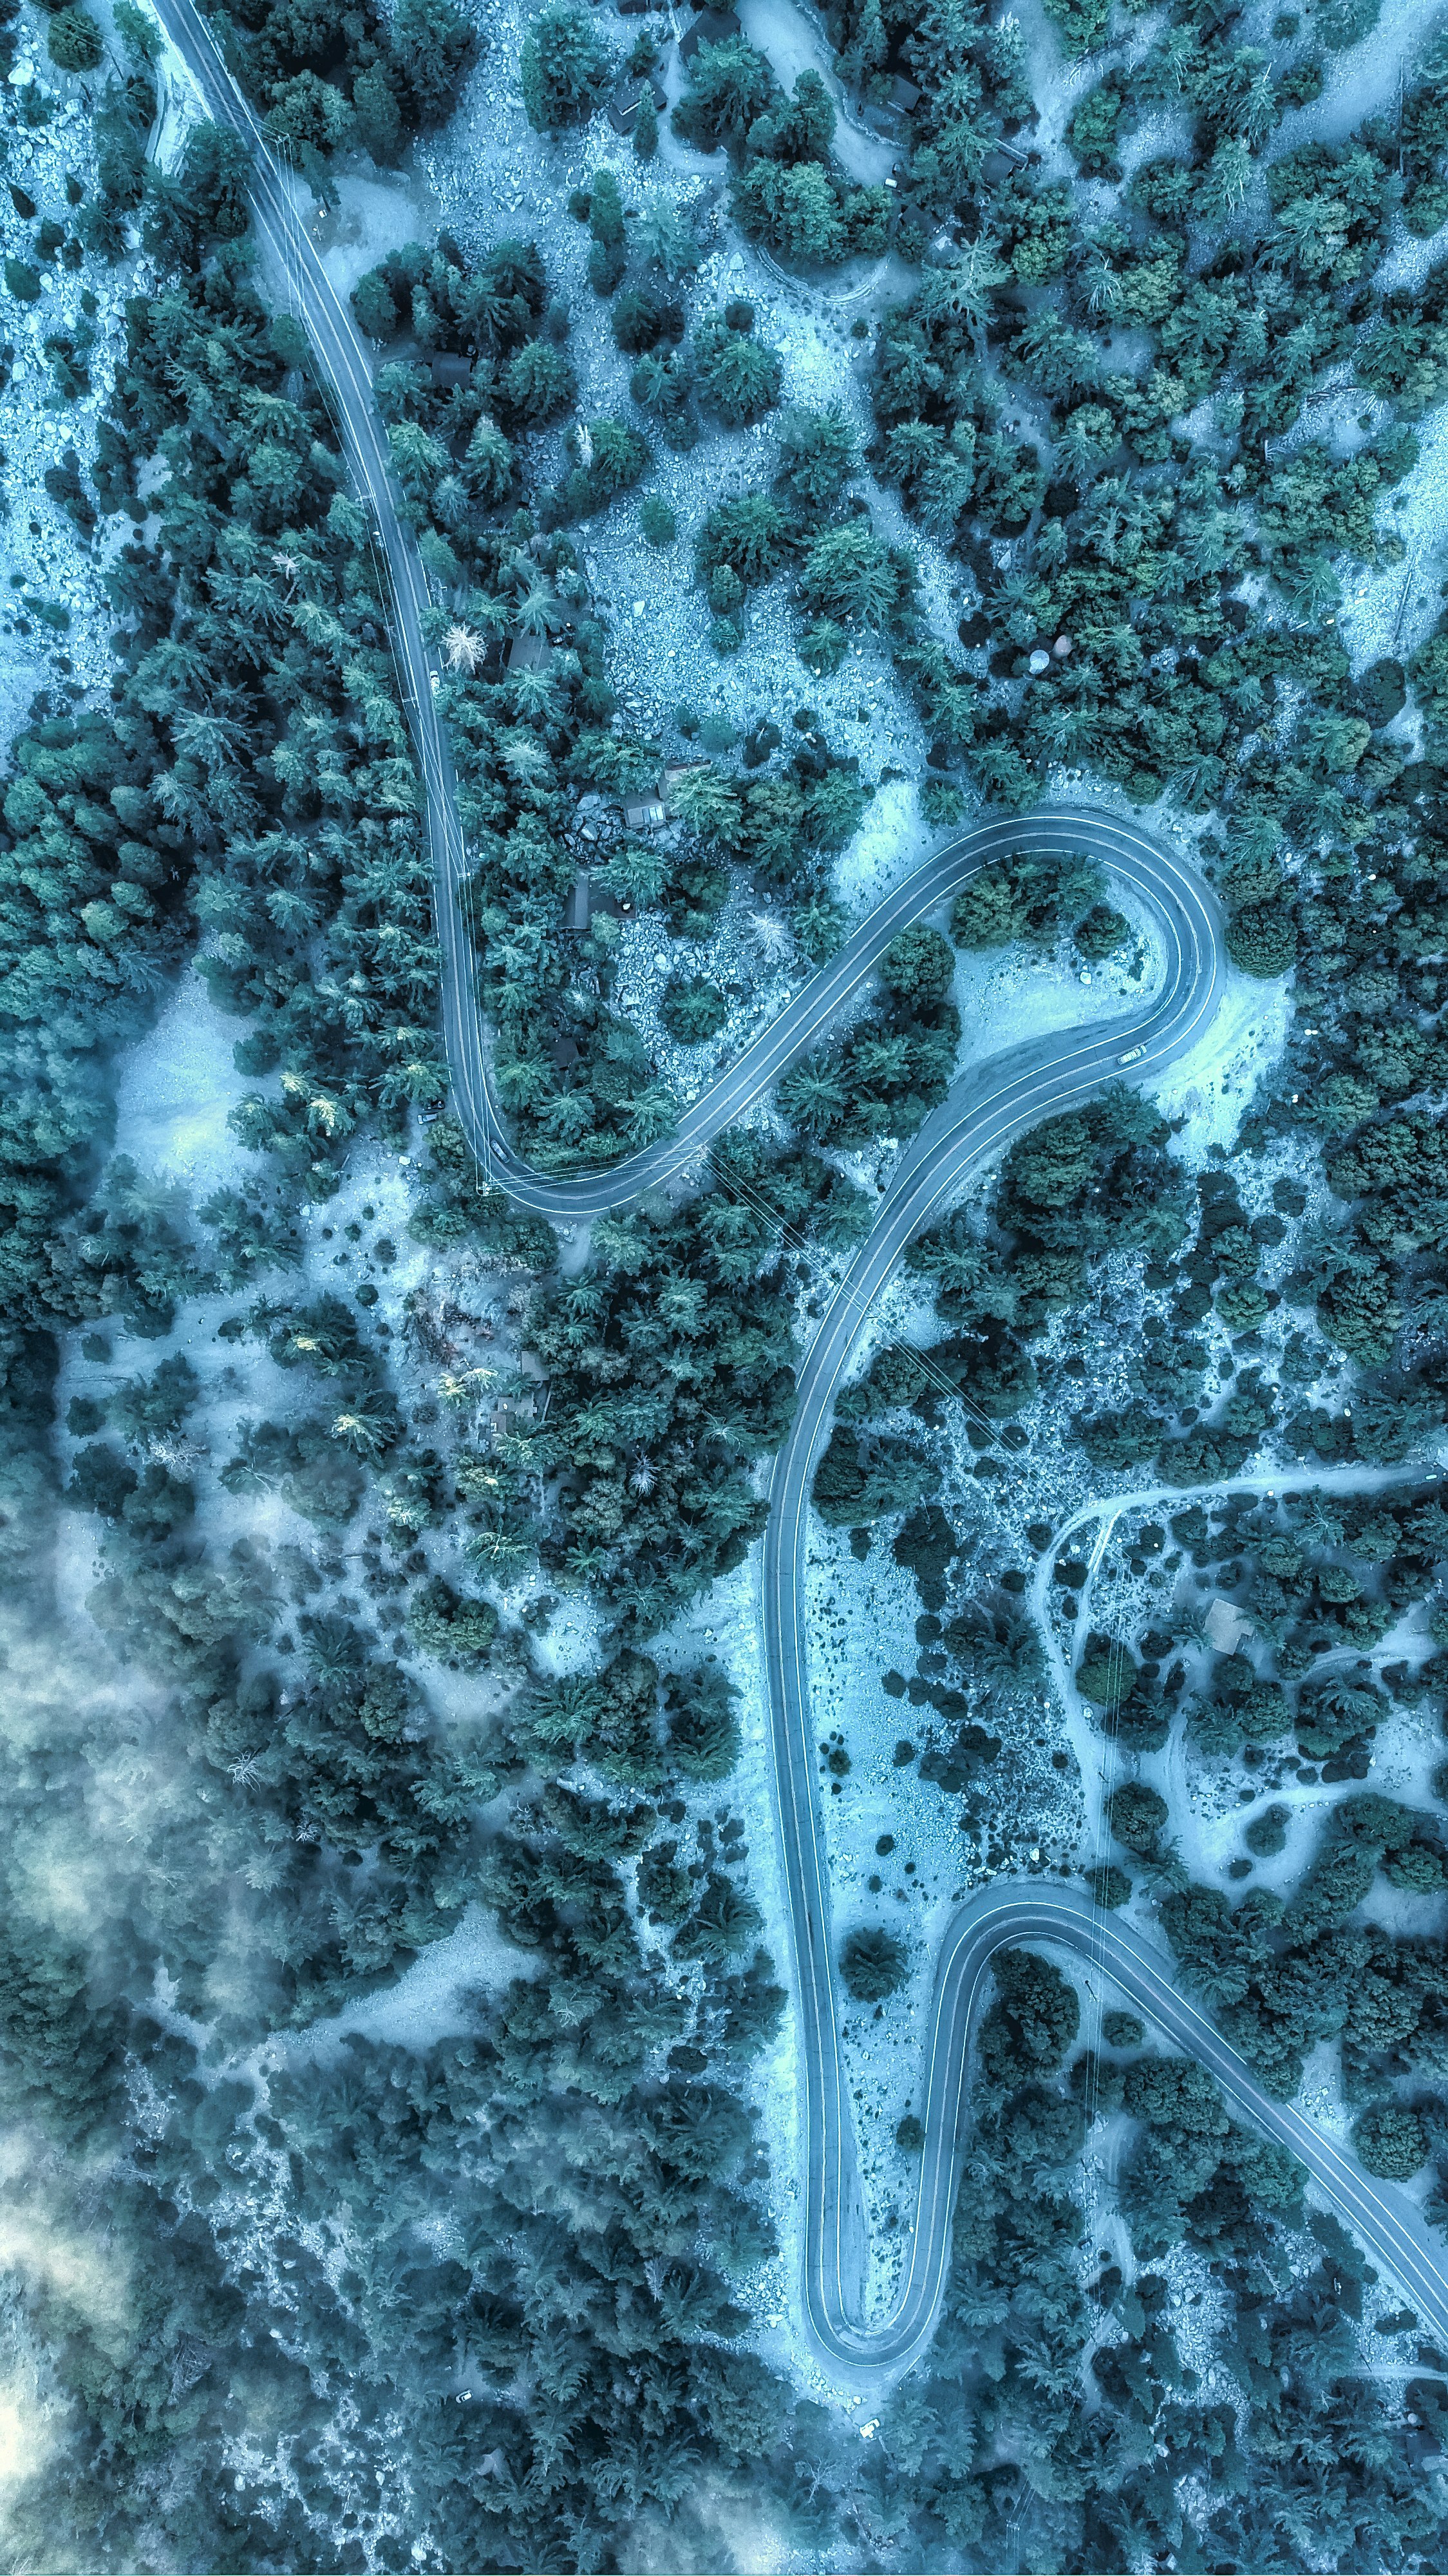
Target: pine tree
563,71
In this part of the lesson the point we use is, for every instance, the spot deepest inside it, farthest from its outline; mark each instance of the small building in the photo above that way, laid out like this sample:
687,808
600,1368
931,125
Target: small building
887,116
711,27
513,1413
587,901
448,370
563,1053
646,812
530,653
1227,1624
628,98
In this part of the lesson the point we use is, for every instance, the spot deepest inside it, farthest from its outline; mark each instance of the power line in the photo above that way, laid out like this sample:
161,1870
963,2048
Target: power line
855,1301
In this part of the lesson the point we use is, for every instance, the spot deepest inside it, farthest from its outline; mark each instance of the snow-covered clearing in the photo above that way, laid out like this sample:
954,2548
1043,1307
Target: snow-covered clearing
487,175
434,1998
792,41
177,1089
1211,1088
1364,80
1392,610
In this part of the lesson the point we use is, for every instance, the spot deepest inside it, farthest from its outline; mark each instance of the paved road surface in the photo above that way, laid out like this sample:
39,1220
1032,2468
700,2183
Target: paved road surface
991,1104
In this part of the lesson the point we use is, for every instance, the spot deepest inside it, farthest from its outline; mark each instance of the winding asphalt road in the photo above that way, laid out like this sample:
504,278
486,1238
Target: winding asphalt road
989,1105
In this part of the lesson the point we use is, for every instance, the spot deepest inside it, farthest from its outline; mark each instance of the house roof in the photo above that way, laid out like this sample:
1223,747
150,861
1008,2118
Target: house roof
711,27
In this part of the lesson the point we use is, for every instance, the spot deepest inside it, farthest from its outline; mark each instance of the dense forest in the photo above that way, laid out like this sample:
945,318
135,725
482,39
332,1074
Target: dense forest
282,2296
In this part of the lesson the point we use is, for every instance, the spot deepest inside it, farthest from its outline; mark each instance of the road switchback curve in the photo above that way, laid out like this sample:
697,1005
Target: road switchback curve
990,1104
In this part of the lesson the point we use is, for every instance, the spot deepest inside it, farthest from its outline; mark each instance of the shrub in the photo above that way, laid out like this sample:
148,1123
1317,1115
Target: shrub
1390,2141
1383,684
1030,2027
643,317
102,1481
1082,23
857,1483
612,458
1106,1672
723,1923
793,211
537,385
738,376
215,171
693,1009
1261,940
1101,933
488,463
434,47
657,523
703,1729
457,1628
942,803
729,86
818,927
1136,1815
661,384
850,576
1109,1886
872,1965
1267,1834
918,966
751,535
375,306
1426,208
817,456
823,646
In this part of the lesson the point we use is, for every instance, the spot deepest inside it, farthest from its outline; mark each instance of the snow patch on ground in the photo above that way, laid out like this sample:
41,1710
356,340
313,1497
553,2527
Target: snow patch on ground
433,1999
1211,1087
861,1622
1394,609
727,1624
493,175
177,1090
792,42
1360,82
1057,86
21,674
1006,997
373,215
892,839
